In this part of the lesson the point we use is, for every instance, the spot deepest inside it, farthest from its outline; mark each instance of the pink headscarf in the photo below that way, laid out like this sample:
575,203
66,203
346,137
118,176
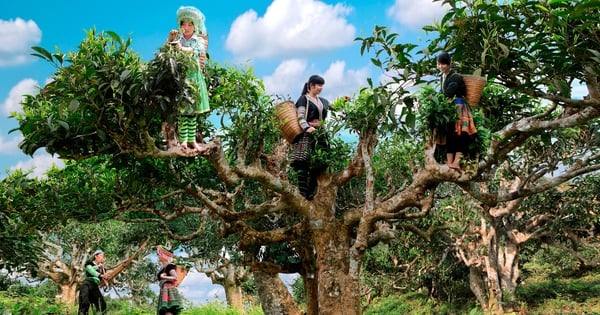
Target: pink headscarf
165,254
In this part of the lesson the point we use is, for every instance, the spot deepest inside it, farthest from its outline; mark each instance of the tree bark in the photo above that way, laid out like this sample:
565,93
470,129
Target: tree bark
311,290
233,292
338,291
275,298
478,287
65,276
68,293
493,276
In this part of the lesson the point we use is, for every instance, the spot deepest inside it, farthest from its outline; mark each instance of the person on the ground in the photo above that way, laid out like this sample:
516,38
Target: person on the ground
169,300
89,291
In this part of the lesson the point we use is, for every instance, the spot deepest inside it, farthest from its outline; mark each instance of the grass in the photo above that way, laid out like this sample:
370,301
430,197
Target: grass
554,296
35,305
561,296
542,296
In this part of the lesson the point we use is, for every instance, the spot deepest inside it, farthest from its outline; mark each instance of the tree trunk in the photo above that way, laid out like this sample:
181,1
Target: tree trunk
233,292
491,270
311,291
275,298
338,290
494,280
68,293
507,272
478,287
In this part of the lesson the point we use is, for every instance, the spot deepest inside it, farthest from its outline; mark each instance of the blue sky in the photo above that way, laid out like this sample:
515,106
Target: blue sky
285,41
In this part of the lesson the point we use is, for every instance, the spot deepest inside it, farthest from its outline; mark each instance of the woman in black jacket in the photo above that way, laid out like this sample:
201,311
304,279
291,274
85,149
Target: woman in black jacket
312,111
458,134
170,301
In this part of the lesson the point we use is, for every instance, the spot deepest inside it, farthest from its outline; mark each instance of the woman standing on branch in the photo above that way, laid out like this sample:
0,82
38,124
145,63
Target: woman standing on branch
457,134
312,111
191,38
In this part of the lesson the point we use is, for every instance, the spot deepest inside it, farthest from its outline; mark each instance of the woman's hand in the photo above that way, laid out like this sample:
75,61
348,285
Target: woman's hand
314,124
172,35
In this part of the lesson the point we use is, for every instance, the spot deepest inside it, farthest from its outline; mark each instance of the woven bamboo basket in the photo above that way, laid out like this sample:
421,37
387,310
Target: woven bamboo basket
287,121
182,272
474,84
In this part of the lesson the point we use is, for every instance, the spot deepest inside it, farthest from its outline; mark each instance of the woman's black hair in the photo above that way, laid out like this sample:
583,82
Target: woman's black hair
443,58
314,79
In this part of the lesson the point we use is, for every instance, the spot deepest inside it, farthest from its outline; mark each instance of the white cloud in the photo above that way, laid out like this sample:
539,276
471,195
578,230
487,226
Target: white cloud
290,75
39,164
10,146
287,79
579,90
198,289
290,28
416,13
17,36
15,96
340,81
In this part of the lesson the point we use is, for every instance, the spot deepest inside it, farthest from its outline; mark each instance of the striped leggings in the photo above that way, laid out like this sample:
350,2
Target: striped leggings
187,128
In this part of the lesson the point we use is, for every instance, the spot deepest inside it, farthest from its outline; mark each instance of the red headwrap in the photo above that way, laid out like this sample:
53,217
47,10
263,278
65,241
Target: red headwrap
164,253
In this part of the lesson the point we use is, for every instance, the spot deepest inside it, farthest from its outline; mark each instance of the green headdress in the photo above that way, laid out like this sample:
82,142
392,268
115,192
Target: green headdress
191,14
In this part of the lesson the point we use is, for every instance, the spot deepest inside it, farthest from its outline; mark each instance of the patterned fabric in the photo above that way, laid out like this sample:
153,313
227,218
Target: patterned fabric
465,124
313,110
161,251
191,14
201,102
318,141
187,128
453,87
169,300
93,272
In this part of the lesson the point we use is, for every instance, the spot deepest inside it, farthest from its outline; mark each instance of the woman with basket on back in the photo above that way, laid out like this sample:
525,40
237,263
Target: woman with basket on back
457,135
312,111
169,300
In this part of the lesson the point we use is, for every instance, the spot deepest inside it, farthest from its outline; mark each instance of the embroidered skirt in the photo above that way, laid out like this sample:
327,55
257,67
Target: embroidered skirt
169,300
200,104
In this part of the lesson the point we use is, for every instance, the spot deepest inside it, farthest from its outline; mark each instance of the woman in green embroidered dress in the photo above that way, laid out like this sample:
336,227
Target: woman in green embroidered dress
191,38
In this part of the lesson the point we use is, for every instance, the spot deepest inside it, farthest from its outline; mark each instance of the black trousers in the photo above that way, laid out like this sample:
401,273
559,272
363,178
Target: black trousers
307,181
309,172
89,294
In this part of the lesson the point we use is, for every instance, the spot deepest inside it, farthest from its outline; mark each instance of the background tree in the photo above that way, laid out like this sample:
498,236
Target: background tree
67,248
20,245
542,145
218,259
